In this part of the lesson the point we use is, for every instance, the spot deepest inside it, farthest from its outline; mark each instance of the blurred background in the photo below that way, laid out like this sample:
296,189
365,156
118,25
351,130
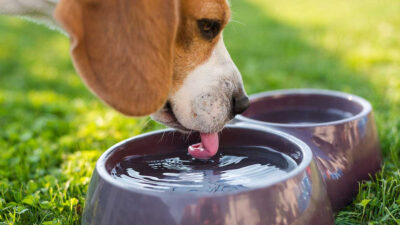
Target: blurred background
52,129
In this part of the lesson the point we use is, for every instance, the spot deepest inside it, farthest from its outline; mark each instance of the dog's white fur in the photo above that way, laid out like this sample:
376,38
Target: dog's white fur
203,103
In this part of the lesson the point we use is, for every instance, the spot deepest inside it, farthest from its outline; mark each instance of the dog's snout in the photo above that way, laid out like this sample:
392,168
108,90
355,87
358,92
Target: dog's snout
240,104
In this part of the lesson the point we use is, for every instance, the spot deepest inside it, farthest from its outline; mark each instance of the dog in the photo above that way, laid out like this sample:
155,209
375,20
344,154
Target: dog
161,58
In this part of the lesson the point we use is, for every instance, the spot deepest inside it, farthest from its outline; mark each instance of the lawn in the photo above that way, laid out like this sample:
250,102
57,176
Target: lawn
53,129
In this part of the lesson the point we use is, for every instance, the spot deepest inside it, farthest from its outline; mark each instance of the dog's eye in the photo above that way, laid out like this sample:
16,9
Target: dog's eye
209,29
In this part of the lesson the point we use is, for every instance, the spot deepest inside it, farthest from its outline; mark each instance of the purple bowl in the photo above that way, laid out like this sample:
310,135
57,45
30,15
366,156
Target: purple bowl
339,128
296,197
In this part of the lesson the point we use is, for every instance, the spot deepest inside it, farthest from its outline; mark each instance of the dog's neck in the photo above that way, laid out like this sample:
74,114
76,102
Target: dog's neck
36,10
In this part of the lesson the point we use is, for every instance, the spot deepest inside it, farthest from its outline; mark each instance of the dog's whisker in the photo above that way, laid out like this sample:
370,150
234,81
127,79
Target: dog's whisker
238,22
146,122
162,136
188,136
173,135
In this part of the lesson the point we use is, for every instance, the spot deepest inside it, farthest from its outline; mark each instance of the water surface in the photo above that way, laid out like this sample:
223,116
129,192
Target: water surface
231,169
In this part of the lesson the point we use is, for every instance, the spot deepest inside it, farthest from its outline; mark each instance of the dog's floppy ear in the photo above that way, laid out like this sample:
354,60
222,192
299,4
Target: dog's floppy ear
123,49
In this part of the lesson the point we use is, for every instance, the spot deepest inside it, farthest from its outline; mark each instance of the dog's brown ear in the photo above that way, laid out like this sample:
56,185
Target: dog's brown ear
123,49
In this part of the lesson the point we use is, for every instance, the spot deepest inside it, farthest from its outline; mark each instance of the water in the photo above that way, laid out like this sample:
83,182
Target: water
302,116
230,170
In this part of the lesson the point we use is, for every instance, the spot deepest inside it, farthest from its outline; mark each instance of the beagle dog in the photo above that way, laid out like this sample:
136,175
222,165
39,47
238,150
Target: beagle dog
166,58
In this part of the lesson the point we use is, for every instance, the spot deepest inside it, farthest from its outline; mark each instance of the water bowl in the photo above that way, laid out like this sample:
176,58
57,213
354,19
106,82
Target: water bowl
259,176
339,128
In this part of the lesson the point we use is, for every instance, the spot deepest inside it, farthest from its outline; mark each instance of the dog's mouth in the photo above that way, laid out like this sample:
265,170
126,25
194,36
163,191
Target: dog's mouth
167,117
208,146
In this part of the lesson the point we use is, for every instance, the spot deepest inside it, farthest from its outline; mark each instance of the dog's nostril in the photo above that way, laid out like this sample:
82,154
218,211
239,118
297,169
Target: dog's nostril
240,104
167,106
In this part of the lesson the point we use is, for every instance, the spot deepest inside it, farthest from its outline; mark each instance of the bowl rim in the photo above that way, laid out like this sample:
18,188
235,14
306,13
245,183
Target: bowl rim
366,106
304,148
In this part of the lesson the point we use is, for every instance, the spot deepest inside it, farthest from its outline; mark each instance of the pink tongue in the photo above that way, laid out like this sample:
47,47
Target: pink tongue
207,148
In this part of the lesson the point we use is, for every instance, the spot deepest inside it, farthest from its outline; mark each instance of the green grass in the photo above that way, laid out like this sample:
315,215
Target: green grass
52,130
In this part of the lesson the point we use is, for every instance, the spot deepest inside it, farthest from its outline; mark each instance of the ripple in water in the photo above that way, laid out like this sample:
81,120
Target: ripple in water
230,170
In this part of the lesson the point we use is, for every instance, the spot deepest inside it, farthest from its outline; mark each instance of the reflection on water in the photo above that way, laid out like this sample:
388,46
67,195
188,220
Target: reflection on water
231,169
302,116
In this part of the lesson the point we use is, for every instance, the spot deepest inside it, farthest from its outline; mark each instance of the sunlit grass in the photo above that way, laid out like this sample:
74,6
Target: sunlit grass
52,129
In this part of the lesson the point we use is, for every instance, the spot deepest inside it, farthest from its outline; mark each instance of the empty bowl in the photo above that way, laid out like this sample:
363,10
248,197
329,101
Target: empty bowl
339,128
259,176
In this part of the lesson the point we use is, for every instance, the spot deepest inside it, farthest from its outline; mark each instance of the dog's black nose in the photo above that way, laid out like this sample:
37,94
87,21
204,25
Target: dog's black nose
240,104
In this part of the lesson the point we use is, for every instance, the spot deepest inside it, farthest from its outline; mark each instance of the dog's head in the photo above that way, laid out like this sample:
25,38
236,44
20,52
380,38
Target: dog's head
161,57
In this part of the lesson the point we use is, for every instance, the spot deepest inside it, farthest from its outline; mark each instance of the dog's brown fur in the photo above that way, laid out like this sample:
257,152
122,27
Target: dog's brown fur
134,54
191,49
